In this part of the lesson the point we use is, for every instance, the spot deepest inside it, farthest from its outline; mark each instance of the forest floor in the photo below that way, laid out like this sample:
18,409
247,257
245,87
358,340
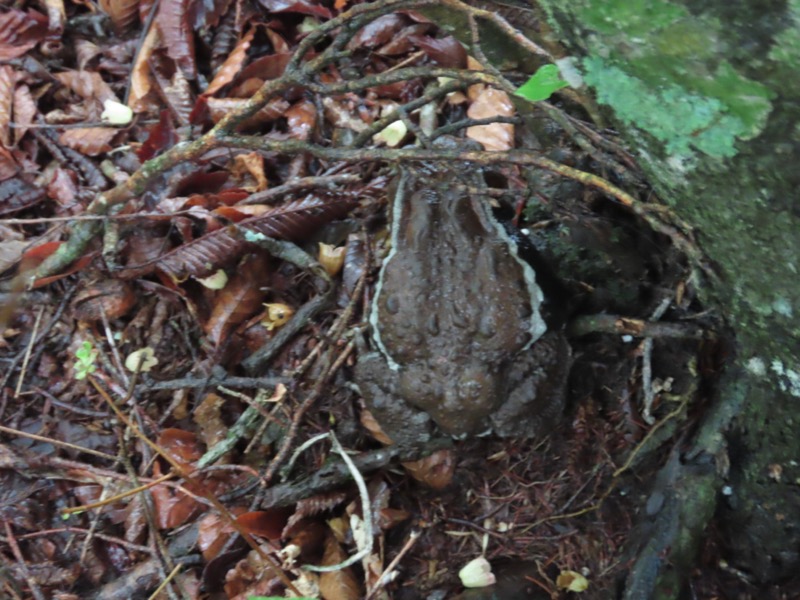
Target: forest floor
162,365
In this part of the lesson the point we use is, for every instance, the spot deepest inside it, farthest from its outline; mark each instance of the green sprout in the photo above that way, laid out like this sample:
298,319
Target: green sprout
86,356
542,84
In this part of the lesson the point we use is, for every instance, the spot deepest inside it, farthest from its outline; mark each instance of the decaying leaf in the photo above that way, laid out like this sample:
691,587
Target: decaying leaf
331,258
491,102
176,29
90,86
7,83
141,78
292,221
20,31
572,581
214,532
239,300
208,416
435,470
181,445
142,360
111,298
123,13
232,65
341,584
25,111
301,118
265,523
89,140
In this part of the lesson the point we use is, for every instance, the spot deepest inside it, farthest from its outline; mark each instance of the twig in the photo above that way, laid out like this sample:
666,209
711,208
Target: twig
647,365
39,438
298,184
44,333
28,352
366,509
184,473
117,497
164,583
23,567
214,380
387,572
621,325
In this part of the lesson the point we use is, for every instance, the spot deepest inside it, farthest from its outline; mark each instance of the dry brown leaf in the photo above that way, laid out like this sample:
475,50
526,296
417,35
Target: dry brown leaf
213,532
89,86
435,470
265,523
85,52
181,445
232,65
63,187
56,15
25,111
341,584
173,22
20,31
248,169
491,102
141,78
239,300
88,140
279,45
111,298
7,82
8,165
179,96
219,107
301,117
123,13
373,427
208,416
378,32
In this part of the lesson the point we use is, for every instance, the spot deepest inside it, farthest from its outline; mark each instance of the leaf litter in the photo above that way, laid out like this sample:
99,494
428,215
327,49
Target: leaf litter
103,254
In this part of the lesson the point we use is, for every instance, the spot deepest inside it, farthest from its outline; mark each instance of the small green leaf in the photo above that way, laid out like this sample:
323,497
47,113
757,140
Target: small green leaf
542,84
84,353
84,365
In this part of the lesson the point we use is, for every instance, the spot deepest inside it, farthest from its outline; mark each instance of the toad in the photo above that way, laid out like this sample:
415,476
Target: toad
458,336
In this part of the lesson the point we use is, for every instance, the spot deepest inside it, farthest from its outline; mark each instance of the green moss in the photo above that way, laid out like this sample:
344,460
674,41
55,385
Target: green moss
670,114
631,17
708,118
787,43
687,38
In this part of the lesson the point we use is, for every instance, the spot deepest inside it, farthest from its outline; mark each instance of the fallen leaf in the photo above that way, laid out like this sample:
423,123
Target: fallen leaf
435,470
489,103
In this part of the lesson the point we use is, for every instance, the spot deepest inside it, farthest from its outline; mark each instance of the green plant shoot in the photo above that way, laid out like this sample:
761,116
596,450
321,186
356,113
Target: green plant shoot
542,84
86,356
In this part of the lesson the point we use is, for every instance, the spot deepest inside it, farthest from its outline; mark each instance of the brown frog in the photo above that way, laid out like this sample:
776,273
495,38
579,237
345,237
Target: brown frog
456,320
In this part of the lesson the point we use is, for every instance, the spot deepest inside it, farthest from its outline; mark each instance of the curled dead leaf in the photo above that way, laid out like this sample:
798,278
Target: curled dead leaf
141,360
435,470
331,258
112,298
572,581
341,584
